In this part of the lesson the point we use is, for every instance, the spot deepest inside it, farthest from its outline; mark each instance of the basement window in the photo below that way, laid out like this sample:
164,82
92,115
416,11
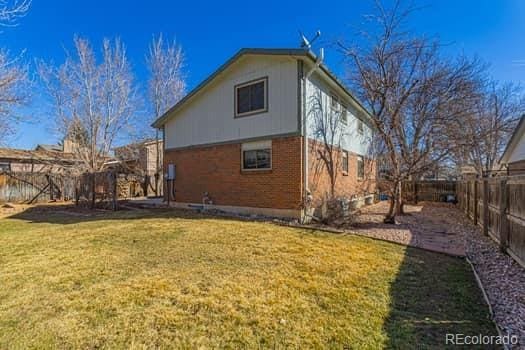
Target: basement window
251,97
257,155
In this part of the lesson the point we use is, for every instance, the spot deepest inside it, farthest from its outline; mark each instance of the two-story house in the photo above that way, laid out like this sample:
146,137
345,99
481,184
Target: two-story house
245,139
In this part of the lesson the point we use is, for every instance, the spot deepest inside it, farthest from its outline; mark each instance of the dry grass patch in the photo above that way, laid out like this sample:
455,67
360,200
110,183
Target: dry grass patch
157,279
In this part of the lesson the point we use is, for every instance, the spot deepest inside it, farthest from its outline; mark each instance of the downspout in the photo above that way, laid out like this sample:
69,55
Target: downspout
304,79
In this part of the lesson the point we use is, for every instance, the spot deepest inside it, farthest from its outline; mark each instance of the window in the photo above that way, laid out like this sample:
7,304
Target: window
5,167
345,162
251,97
257,155
360,129
360,167
334,102
344,114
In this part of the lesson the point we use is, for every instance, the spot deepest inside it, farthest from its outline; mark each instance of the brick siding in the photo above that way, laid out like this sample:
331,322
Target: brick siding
347,185
217,170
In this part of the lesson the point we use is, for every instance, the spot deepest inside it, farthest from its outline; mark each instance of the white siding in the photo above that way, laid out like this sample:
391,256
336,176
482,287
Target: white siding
519,151
209,116
352,140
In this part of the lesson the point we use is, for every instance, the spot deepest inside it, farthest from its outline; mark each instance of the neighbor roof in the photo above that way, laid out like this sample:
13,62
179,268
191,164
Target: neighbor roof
55,148
518,132
23,155
255,51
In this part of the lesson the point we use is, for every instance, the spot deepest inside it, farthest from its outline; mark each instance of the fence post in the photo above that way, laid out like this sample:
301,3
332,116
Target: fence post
503,224
415,192
476,202
485,207
115,189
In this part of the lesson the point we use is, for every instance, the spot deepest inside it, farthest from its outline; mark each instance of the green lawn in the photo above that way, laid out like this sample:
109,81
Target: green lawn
168,279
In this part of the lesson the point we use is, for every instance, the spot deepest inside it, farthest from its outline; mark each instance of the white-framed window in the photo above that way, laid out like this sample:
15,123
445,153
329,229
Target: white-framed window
360,167
256,155
360,127
334,102
344,114
251,97
345,163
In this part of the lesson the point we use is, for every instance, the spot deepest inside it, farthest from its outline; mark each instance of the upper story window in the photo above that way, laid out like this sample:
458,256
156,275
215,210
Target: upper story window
344,114
251,97
360,128
334,102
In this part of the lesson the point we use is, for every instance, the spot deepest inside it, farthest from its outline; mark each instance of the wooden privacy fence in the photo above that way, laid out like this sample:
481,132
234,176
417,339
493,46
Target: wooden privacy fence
498,206
430,191
104,189
35,187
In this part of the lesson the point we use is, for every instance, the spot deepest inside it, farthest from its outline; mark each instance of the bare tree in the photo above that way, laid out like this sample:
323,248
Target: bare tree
14,92
14,89
166,85
328,131
413,94
483,135
11,11
93,102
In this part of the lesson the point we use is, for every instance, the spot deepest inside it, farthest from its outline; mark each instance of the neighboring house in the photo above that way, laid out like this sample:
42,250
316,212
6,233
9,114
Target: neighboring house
141,158
513,158
33,161
237,141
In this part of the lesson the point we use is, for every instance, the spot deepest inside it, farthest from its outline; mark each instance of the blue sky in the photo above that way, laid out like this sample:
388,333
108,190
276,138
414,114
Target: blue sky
210,32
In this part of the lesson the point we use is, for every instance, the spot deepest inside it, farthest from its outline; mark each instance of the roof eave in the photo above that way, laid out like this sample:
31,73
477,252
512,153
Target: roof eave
520,129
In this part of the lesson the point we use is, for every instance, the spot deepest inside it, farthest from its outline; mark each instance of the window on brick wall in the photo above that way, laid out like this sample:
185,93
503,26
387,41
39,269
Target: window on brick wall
257,155
360,167
251,97
345,162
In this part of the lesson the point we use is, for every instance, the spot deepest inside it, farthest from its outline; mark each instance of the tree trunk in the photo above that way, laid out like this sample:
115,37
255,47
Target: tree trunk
93,190
395,204
157,163
400,210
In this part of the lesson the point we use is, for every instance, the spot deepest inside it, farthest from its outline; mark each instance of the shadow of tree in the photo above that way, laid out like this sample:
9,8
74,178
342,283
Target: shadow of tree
434,295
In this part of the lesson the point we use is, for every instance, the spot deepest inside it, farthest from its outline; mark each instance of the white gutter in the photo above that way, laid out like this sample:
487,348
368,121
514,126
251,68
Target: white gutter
316,66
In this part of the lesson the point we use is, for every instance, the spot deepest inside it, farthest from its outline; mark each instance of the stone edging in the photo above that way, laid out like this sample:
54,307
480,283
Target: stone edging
485,296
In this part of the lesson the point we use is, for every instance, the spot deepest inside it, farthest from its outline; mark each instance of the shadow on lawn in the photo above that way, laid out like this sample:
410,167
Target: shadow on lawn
67,214
434,295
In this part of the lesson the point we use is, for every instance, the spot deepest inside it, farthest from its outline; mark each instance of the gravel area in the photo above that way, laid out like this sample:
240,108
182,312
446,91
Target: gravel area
503,279
426,226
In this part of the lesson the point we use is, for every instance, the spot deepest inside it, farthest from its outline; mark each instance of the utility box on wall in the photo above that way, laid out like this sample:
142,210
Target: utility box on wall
171,172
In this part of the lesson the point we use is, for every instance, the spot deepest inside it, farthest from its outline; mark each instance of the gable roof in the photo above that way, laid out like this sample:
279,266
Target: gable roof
256,51
514,139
